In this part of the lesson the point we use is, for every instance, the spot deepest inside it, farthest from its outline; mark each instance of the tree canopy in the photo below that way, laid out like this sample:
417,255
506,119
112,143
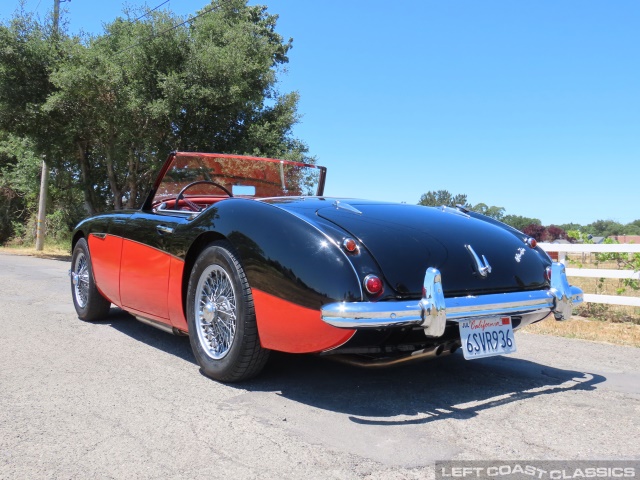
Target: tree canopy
437,198
531,226
105,111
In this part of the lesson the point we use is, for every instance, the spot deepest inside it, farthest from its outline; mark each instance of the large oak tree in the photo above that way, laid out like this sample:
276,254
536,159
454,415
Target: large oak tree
106,110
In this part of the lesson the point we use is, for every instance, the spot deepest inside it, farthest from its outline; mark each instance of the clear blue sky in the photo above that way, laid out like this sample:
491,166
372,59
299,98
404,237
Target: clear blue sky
529,105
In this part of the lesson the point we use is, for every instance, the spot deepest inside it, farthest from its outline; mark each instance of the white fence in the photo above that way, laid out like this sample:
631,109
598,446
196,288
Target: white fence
563,249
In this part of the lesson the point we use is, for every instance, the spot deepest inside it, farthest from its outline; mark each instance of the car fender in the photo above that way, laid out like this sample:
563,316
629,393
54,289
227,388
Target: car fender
292,266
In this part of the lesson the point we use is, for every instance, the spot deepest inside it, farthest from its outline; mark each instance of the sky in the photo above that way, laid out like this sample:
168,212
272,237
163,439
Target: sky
533,106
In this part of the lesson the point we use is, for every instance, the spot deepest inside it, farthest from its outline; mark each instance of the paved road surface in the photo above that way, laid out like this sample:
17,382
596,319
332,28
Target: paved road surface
119,399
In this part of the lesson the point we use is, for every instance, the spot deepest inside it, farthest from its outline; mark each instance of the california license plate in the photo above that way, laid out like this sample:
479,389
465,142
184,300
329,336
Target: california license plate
486,337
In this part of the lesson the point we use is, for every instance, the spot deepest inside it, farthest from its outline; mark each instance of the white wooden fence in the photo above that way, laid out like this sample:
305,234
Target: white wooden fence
563,249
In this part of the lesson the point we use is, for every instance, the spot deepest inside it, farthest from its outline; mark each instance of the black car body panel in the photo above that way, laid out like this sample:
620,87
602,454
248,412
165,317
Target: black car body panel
405,240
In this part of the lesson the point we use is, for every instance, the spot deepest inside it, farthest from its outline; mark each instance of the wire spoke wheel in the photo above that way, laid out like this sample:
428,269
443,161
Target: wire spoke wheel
223,331
89,303
216,311
80,279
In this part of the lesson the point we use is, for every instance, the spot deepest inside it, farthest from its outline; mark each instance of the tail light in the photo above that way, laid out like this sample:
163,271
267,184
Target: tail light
373,284
350,245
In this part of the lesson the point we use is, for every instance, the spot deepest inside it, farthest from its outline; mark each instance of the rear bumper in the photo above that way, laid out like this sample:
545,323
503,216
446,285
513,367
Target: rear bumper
433,311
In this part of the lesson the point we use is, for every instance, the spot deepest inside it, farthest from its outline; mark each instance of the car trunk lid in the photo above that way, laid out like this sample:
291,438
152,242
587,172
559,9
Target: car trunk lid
407,239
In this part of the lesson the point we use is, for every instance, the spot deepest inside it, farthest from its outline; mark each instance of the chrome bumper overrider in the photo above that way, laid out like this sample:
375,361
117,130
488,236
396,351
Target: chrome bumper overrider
433,311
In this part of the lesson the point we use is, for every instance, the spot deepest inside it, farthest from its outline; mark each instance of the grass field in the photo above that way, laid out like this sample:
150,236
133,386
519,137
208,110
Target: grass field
616,333
55,252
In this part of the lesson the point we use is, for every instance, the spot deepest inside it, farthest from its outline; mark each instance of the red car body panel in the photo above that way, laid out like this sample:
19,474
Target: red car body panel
290,328
176,312
106,256
144,279
151,285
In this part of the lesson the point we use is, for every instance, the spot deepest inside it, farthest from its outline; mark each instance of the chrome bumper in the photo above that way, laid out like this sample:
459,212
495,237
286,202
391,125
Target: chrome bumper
433,311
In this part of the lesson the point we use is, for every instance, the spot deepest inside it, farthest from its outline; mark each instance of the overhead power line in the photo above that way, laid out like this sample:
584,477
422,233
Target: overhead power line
163,32
152,10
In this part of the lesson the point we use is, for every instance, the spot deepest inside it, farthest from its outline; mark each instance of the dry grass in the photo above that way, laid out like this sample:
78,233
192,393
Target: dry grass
607,286
53,252
589,329
615,324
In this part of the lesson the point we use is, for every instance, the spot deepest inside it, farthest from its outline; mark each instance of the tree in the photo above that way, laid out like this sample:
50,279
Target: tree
518,222
577,236
437,198
29,53
571,227
493,212
442,197
19,169
27,56
106,111
205,86
534,230
554,233
632,228
605,228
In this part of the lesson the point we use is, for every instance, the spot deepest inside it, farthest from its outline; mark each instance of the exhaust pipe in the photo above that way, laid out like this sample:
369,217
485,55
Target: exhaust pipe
424,354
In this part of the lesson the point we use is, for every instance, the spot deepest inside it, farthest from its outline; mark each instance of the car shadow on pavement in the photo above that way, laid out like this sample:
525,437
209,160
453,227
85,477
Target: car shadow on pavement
167,342
415,393
444,388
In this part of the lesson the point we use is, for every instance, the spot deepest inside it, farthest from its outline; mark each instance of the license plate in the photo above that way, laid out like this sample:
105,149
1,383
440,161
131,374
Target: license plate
486,337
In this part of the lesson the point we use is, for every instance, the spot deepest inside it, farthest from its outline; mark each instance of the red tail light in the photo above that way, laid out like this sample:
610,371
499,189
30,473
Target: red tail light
373,284
350,245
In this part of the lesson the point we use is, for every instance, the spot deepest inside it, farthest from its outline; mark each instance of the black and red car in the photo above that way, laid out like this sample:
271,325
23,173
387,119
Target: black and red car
246,255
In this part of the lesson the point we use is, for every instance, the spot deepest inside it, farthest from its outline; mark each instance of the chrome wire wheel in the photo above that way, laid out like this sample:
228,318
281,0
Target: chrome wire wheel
88,301
216,312
223,331
80,279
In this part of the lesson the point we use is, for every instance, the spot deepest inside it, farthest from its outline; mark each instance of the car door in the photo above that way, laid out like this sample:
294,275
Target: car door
146,264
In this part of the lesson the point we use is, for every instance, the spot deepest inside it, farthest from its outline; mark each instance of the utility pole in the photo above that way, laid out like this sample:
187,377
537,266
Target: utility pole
44,180
42,206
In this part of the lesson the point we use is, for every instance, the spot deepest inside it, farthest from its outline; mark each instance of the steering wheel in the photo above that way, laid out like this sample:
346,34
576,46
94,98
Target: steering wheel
199,182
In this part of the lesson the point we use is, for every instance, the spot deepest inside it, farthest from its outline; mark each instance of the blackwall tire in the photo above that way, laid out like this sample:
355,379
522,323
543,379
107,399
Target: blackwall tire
221,317
89,303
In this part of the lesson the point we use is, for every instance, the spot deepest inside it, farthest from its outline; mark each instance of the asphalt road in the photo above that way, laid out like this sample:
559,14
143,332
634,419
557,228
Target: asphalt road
119,399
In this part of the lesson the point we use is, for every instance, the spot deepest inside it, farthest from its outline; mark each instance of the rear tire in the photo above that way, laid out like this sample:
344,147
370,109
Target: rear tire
221,317
89,302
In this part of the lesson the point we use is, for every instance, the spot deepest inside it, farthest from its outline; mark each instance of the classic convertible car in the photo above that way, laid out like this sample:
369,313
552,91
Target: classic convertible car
245,255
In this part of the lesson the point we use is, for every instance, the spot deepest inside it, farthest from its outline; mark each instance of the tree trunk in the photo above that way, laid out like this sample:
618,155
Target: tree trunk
132,179
89,200
113,182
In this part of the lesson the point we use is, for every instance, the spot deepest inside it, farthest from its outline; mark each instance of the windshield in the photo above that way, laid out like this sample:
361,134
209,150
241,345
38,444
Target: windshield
243,176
